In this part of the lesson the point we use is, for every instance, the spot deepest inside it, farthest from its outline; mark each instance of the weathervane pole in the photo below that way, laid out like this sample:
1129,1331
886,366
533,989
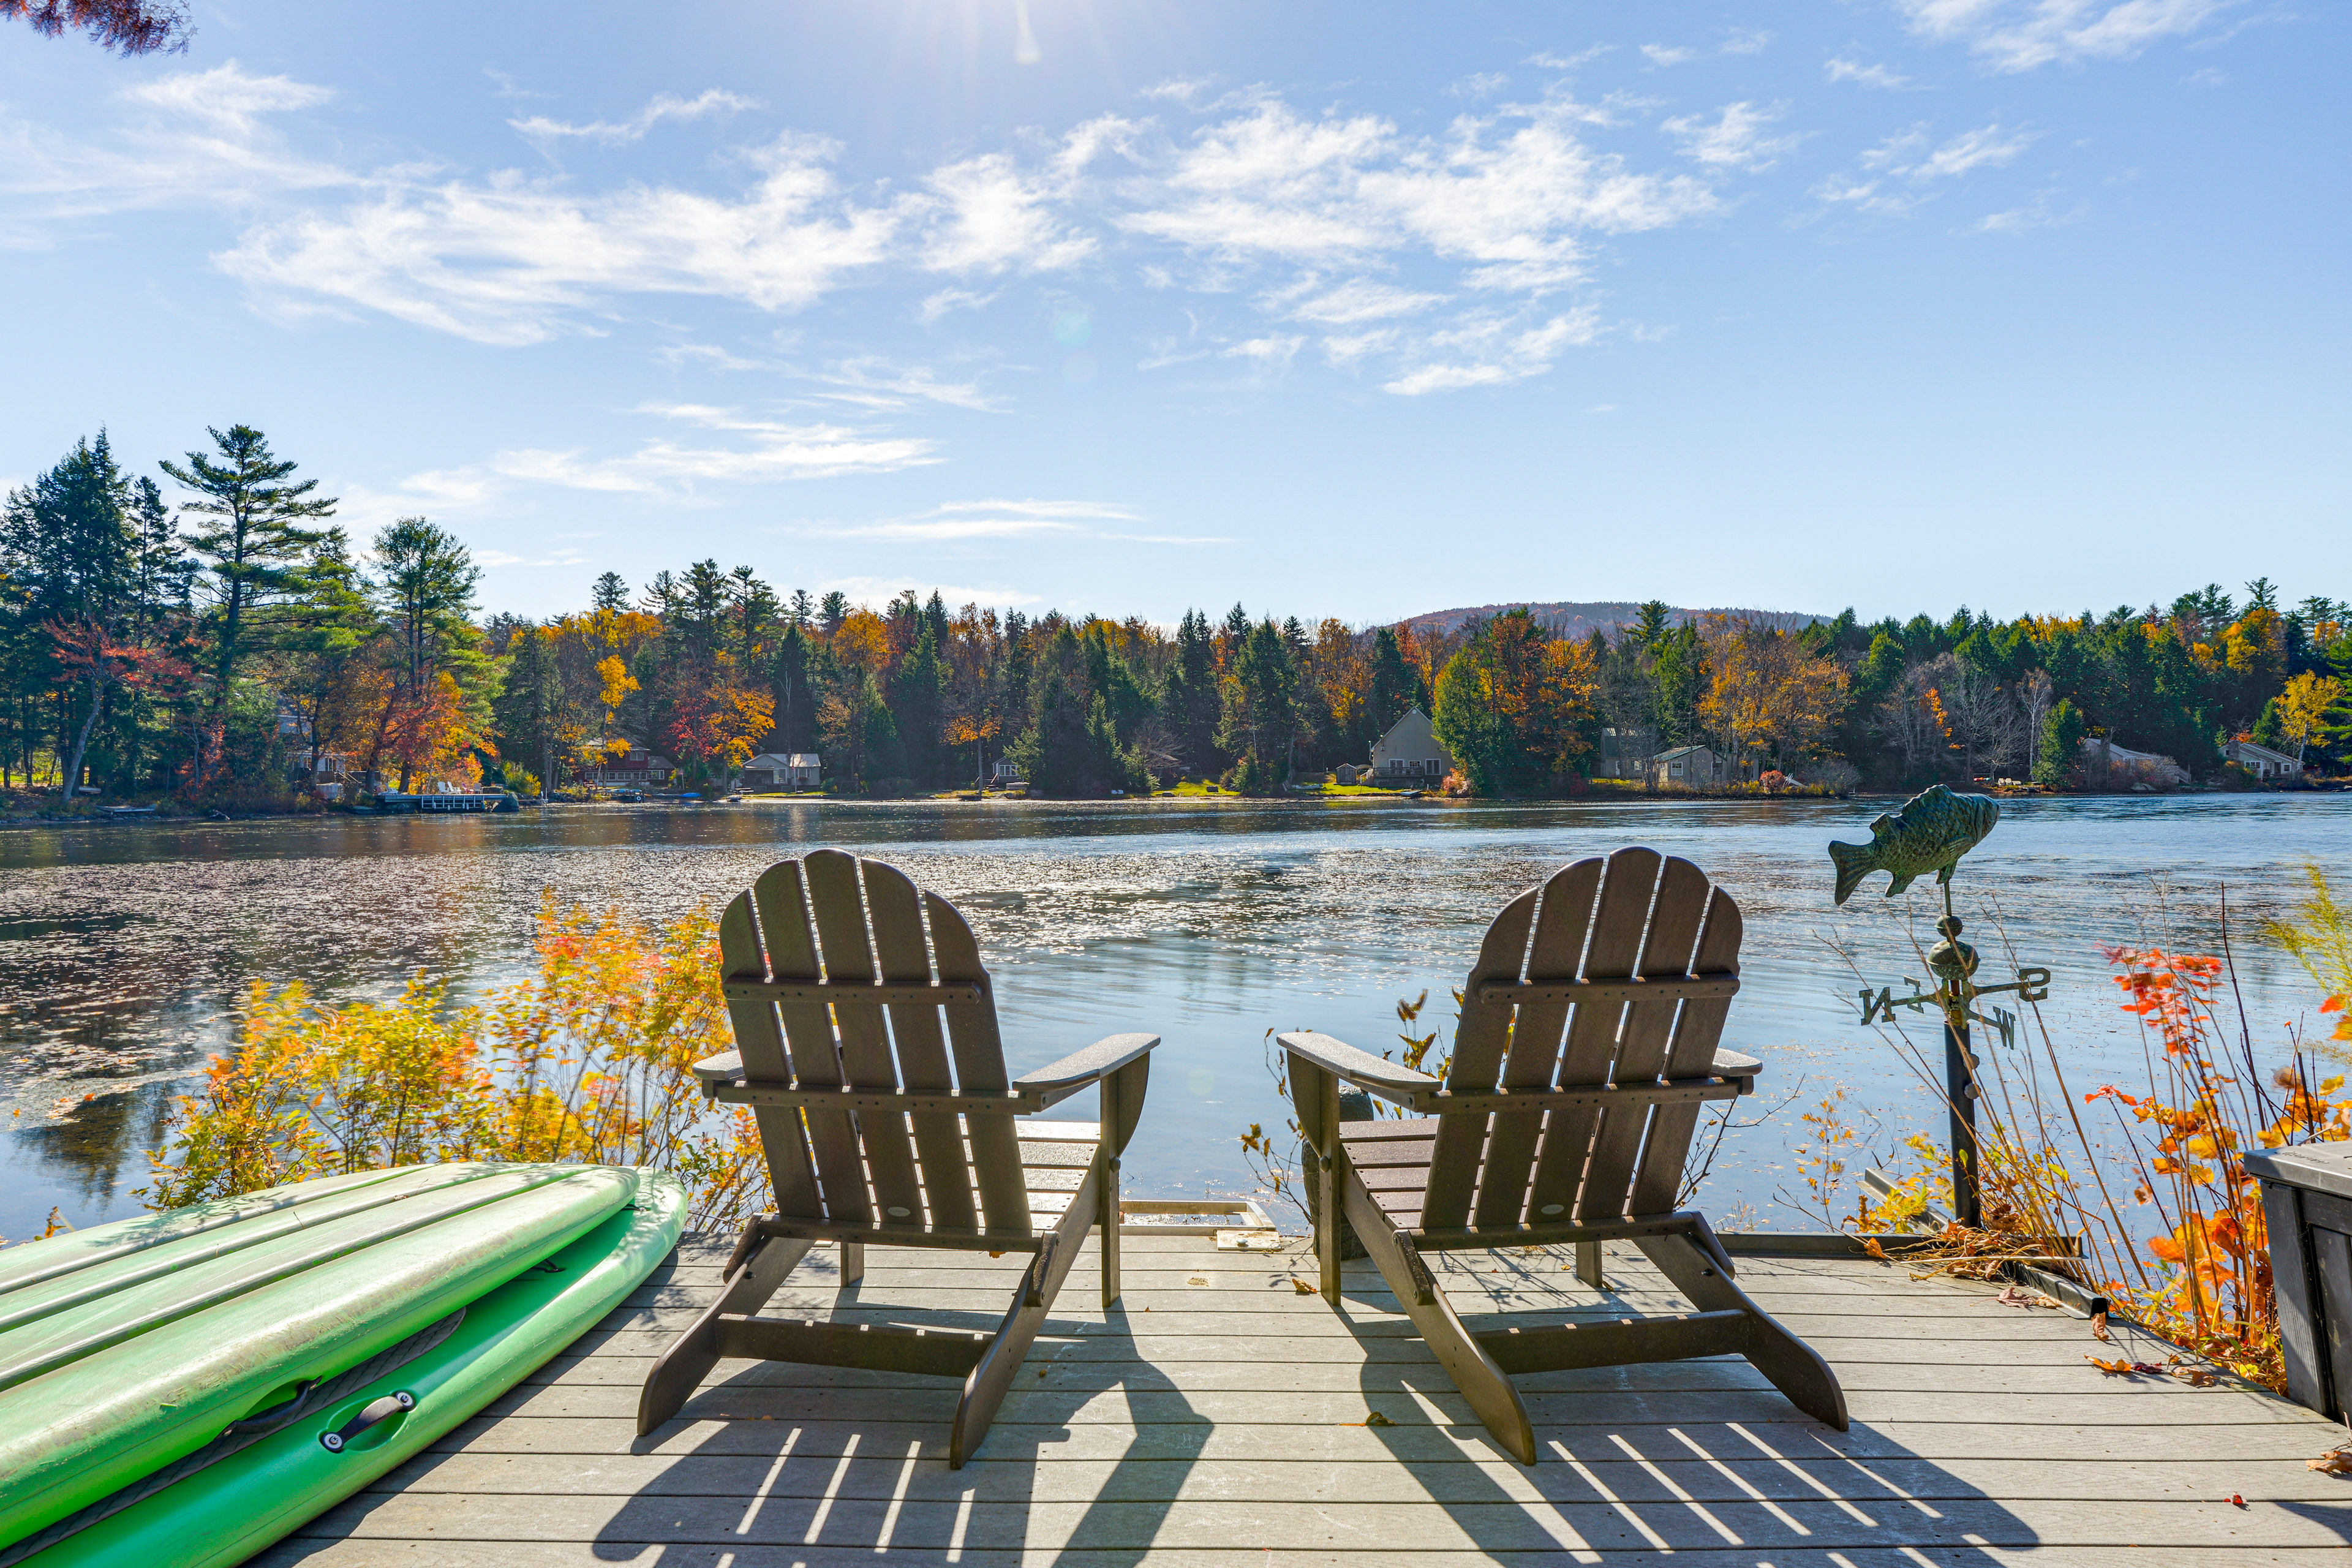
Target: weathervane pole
1932,831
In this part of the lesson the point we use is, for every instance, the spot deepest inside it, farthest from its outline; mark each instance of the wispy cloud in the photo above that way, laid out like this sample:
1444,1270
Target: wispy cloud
1872,74
966,522
872,382
1494,352
758,450
192,139
1733,138
510,260
2021,35
1916,159
702,106
1664,55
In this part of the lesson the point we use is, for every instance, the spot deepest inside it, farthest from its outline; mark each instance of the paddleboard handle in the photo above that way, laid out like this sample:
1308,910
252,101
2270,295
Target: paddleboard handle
375,1410
278,1417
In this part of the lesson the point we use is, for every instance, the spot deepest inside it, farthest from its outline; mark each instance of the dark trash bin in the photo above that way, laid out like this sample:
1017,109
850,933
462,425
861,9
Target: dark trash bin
2307,1208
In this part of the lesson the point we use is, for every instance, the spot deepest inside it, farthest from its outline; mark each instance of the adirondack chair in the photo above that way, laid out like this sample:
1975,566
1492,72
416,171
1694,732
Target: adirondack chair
869,1138
1571,1102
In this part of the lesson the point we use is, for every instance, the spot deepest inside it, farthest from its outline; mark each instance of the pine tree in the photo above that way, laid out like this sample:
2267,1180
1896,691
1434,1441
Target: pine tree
253,540
610,593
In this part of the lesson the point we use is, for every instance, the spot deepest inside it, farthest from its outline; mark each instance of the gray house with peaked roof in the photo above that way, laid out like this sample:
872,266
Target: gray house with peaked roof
1411,753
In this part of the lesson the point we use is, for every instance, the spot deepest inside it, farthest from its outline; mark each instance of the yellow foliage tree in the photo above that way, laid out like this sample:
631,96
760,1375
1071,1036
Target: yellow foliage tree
590,1060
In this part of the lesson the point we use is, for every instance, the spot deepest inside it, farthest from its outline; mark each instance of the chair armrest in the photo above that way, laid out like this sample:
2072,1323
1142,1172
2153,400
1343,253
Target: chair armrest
1079,1069
1389,1080
1734,1064
723,1068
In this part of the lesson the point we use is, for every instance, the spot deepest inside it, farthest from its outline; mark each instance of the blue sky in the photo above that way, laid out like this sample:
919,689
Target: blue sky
1357,309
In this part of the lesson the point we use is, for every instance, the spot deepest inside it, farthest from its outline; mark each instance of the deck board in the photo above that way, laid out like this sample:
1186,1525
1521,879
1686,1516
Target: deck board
1217,1415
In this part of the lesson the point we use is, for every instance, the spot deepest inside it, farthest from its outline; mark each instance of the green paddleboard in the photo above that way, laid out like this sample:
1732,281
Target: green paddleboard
318,1334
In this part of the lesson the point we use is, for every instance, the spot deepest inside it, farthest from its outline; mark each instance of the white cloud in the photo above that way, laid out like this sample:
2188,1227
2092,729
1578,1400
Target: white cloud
1360,300
1494,353
1662,55
872,382
1907,156
955,522
1734,140
713,101
1744,41
2021,34
765,450
1969,150
2038,214
508,259
1568,62
1871,74
710,354
995,217
192,139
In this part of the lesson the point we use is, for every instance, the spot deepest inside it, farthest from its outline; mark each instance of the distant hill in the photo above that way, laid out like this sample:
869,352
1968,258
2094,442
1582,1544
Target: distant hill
1579,621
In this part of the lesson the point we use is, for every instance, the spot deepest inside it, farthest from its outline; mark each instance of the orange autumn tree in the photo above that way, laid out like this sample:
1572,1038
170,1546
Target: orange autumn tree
1513,706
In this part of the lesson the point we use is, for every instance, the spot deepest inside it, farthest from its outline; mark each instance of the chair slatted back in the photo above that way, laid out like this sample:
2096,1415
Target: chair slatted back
1636,914
847,922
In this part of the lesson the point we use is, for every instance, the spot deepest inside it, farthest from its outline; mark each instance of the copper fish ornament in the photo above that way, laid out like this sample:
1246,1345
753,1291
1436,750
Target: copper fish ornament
1932,831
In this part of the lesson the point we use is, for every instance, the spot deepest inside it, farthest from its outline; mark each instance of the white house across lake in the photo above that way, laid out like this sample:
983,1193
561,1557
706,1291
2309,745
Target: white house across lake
782,770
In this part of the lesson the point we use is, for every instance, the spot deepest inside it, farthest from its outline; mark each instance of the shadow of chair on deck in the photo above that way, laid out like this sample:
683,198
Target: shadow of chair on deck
1697,1457
854,1461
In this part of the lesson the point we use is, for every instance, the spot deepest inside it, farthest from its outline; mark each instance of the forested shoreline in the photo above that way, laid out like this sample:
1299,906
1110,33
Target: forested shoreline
217,643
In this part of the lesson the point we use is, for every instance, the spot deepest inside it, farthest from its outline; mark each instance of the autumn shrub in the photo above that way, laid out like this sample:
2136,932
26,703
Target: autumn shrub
2189,1254
589,1060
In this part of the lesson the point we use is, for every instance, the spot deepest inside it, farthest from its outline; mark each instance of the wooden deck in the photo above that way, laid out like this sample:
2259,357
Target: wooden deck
1218,1415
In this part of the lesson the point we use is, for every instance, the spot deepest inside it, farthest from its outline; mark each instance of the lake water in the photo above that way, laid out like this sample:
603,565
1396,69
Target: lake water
121,946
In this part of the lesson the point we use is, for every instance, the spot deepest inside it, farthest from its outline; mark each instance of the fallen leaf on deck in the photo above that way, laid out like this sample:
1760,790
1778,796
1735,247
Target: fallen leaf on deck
2099,1326
2336,1461
2010,1295
1301,1286
1374,1419
1196,1279
2194,1376
1870,1245
2235,1501
2126,1368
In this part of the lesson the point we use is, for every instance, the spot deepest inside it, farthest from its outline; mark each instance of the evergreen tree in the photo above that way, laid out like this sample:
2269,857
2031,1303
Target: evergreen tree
1392,688
1261,714
1189,702
2062,743
424,586
609,593
252,538
916,696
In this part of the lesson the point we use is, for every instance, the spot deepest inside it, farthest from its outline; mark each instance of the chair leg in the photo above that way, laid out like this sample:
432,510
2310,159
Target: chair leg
1485,1386
1107,1216
1588,1265
1325,1175
683,1366
1795,1368
984,1387
852,1263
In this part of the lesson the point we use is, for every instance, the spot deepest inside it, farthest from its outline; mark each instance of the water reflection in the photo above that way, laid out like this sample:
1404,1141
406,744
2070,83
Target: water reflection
123,949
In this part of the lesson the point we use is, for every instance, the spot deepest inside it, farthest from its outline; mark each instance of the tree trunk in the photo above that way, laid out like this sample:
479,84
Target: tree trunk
81,741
